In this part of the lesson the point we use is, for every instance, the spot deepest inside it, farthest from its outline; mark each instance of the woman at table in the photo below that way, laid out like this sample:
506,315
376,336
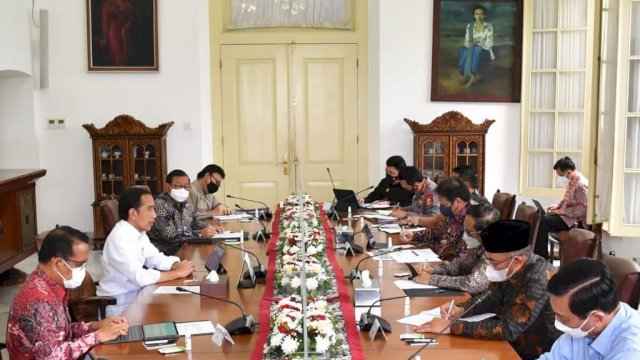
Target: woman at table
466,273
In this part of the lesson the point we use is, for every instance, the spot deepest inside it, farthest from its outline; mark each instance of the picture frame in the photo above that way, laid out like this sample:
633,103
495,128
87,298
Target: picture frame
122,35
485,69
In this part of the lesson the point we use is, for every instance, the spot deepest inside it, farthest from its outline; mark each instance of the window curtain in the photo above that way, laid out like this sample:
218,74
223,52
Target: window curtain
332,14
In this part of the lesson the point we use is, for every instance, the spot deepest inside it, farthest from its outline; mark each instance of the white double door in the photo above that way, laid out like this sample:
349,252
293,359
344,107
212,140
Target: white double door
289,112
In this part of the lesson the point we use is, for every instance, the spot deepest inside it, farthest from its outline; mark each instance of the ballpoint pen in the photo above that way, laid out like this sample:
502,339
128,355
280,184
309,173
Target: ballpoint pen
415,253
450,308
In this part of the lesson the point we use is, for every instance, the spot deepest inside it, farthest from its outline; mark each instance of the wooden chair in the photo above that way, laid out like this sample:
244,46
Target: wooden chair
109,214
574,244
83,303
532,215
626,274
504,202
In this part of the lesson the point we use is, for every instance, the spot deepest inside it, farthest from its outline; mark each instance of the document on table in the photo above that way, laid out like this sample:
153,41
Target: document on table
375,206
172,289
380,217
232,217
228,235
477,318
414,256
410,284
421,318
396,228
196,327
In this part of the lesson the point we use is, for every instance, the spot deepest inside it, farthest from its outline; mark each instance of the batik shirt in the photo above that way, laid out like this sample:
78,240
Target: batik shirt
523,314
174,221
573,206
466,273
446,237
39,326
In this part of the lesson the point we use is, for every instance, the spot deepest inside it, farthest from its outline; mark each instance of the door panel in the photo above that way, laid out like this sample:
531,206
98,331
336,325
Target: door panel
255,121
326,116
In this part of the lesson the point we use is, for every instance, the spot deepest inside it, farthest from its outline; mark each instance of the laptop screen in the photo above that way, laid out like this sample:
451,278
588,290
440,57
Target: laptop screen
345,199
160,330
366,230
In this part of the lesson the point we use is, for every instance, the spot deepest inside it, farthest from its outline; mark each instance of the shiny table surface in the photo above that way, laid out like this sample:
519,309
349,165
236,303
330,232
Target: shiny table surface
150,308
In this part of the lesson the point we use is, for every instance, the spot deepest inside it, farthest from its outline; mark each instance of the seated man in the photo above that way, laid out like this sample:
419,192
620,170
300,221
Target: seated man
389,188
38,326
518,295
569,211
129,260
596,325
445,238
468,272
176,220
470,178
425,201
201,195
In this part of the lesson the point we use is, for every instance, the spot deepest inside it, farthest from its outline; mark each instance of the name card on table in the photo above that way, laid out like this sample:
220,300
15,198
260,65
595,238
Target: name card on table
375,328
220,335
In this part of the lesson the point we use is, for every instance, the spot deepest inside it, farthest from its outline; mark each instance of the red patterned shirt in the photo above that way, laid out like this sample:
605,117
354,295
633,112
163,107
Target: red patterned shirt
39,326
573,207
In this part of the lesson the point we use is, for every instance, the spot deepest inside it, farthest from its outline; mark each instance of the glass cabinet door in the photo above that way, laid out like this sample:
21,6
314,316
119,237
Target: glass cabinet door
434,153
112,169
145,169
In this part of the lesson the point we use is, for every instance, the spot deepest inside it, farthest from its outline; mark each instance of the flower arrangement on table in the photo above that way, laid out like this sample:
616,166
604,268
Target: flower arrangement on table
286,337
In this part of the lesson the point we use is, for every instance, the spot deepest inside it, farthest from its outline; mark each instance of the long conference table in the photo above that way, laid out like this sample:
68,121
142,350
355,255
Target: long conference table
152,308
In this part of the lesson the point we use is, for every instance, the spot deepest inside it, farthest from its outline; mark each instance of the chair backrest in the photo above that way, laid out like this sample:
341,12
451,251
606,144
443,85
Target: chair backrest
109,214
532,215
84,305
626,274
504,202
578,243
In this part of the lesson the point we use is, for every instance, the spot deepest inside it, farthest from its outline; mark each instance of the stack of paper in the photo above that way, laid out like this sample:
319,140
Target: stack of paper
230,237
233,217
415,256
375,217
428,315
396,228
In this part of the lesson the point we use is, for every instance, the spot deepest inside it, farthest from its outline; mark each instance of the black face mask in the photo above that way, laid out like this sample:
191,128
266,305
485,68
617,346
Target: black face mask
212,187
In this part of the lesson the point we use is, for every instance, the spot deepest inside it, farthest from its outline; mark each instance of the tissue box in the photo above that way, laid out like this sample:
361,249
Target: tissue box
365,296
219,289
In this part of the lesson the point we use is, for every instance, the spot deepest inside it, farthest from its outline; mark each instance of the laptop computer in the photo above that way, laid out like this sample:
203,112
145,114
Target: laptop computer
371,242
539,206
165,332
345,199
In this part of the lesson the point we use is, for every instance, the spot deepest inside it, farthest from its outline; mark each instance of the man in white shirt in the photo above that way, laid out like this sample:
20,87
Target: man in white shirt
128,251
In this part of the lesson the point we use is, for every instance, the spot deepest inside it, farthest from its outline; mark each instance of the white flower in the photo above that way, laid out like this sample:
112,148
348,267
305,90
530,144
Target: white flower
319,247
312,284
289,345
311,250
276,340
285,281
324,326
322,344
296,282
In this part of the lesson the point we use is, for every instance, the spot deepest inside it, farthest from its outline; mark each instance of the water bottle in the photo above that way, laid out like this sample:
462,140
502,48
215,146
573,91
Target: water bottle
407,306
380,270
187,341
389,243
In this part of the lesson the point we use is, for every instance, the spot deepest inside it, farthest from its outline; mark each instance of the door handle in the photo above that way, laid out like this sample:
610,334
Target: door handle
285,163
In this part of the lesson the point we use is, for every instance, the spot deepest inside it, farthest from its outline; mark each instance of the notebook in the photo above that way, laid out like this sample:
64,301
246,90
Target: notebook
158,332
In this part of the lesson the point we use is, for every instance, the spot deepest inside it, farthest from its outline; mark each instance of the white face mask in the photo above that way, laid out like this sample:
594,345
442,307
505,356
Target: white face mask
470,240
494,275
574,333
179,195
77,276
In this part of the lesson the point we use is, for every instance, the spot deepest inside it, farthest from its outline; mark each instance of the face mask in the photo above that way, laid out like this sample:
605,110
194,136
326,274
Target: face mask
470,240
574,333
446,210
77,276
179,195
212,187
494,275
563,181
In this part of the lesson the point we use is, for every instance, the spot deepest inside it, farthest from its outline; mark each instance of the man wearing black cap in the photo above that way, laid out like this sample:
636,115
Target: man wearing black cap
519,296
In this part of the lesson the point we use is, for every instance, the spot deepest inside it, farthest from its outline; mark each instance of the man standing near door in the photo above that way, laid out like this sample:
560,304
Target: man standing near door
201,195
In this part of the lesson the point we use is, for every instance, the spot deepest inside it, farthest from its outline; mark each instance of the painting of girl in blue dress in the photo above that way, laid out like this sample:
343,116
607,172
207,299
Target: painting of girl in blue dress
476,50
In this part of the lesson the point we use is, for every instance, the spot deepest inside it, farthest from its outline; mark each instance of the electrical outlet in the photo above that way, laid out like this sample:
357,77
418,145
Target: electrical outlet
56,123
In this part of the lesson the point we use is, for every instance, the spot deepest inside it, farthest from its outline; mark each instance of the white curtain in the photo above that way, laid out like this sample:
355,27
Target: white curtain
334,14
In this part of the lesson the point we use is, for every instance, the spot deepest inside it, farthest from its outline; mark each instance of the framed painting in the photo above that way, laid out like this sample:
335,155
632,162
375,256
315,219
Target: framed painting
122,35
477,50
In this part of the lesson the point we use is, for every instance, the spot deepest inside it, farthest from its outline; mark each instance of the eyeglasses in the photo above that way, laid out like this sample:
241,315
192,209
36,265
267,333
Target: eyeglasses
496,263
79,264
178,187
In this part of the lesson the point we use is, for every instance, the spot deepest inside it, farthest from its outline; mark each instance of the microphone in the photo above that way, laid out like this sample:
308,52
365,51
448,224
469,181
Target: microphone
367,319
266,214
331,177
260,233
259,271
355,273
242,325
476,302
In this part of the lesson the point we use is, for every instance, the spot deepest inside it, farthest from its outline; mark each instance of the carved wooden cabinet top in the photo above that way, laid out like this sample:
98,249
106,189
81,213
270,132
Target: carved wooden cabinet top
450,122
126,125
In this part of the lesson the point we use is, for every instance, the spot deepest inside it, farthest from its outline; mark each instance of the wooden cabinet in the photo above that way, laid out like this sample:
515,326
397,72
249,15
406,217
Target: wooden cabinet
450,140
18,225
126,153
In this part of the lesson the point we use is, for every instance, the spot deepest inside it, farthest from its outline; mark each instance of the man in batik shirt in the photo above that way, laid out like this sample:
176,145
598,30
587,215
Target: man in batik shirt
175,218
445,238
38,325
518,295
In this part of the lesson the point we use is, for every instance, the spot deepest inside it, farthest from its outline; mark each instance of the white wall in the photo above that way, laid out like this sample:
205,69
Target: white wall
405,33
179,92
14,36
